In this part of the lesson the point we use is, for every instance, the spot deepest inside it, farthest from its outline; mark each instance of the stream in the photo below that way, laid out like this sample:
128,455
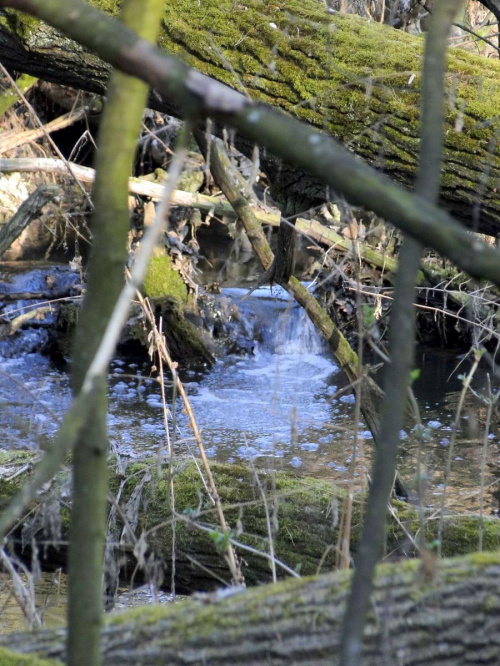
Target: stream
282,406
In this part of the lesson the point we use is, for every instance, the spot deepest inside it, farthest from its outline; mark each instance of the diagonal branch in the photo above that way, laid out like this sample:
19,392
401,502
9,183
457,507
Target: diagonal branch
315,152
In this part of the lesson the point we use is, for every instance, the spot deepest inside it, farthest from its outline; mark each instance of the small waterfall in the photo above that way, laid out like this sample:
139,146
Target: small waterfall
296,334
282,325
274,402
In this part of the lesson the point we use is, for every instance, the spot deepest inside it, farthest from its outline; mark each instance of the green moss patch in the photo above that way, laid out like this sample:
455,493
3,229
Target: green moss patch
8,658
163,280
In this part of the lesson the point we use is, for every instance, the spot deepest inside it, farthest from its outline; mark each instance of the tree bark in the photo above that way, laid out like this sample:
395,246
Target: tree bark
28,211
359,80
452,619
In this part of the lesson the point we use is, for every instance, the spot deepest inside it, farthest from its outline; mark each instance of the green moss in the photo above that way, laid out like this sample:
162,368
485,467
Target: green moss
142,615
484,559
24,25
354,77
12,460
191,180
300,502
162,280
460,535
9,658
15,457
192,620
11,95
350,75
491,603
108,6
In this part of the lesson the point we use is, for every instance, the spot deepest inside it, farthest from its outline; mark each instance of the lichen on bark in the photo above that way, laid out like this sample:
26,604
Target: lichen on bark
354,78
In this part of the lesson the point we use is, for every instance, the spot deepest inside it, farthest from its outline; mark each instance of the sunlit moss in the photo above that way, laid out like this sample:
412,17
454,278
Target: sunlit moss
163,280
9,658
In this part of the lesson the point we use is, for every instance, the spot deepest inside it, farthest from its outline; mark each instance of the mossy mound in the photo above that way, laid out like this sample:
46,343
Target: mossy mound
304,526
163,280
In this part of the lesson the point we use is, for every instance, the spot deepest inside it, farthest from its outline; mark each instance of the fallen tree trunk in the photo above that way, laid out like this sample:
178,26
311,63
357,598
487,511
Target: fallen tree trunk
28,211
304,536
452,619
358,79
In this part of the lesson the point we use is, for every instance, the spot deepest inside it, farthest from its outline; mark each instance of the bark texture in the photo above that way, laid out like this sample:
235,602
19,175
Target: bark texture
358,80
452,619
28,211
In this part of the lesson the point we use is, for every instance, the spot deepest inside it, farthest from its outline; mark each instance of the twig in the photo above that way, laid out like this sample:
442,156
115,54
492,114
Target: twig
45,133
14,139
445,313
451,447
158,333
491,401
234,566
243,546
25,597
268,519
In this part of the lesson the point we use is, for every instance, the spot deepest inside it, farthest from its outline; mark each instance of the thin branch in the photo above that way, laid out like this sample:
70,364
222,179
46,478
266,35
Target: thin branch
451,448
44,132
14,139
402,342
234,566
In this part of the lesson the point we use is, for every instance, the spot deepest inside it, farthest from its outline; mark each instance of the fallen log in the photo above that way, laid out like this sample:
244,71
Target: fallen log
29,210
452,618
214,205
305,515
356,78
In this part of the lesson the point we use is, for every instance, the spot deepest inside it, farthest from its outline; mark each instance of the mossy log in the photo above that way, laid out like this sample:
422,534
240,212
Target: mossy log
452,619
355,78
304,515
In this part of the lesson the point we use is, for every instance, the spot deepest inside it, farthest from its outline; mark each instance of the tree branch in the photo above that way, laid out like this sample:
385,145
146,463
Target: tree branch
293,141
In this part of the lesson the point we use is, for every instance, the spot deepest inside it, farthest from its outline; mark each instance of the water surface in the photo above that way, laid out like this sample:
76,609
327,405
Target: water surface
282,406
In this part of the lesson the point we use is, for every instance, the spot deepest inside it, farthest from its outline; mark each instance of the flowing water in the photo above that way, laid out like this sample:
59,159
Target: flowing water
276,402
282,406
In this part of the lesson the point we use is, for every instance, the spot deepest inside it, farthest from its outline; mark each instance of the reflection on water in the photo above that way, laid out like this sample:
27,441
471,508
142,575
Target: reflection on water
50,601
438,390
281,406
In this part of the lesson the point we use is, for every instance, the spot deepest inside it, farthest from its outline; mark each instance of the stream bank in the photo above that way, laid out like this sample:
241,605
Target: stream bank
277,398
